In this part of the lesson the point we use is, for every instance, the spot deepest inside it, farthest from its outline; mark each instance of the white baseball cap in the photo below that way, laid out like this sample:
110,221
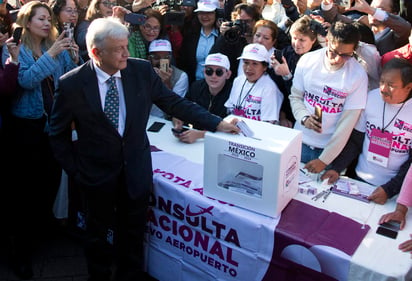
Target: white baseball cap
256,52
207,5
218,59
160,45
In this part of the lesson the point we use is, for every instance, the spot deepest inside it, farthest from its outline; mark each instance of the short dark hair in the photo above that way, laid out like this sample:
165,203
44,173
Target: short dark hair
403,65
345,33
251,9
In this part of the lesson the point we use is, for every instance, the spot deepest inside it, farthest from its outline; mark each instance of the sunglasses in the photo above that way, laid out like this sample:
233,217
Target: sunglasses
209,72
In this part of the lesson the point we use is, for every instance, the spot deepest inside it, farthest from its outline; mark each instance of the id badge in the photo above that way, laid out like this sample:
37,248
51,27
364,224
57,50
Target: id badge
239,111
379,147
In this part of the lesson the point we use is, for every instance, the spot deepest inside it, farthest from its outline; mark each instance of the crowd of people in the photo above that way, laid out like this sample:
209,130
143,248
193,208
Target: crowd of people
79,79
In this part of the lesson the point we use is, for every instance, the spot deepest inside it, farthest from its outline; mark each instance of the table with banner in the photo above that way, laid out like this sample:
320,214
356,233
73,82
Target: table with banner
193,237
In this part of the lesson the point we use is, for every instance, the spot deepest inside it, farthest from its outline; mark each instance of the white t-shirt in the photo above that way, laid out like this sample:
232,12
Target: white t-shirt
335,91
400,127
259,101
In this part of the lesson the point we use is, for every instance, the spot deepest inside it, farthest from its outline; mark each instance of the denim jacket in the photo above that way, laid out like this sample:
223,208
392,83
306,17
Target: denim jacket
29,102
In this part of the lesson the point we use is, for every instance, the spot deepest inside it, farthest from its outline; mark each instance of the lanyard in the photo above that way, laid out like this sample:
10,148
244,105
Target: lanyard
393,118
239,103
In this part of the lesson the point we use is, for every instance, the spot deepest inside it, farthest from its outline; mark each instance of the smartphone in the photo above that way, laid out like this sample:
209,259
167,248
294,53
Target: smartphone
278,55
135,19
17,34
318,113
164,64
156,127
178,132
389,229
68,30
387,232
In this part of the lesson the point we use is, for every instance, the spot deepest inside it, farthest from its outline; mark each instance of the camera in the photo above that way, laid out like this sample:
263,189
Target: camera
237,29
173,16
318,27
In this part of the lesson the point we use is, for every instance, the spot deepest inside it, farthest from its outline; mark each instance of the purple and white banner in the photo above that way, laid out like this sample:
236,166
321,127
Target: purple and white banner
192,237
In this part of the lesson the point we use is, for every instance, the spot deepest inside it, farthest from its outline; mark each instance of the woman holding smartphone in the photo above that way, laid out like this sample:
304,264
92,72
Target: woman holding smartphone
43,59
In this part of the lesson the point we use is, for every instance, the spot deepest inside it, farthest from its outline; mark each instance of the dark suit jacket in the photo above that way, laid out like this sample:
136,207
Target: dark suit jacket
101,153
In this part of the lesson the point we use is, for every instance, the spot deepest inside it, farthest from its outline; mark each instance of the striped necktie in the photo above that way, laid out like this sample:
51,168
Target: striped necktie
111,103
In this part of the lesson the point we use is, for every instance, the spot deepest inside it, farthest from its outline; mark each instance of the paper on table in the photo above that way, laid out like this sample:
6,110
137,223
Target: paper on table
353,189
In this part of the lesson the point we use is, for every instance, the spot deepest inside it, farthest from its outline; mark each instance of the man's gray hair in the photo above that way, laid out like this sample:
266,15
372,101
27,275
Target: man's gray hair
102,28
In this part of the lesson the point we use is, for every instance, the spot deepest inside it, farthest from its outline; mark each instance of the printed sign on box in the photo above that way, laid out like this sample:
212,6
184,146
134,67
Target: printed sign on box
259,173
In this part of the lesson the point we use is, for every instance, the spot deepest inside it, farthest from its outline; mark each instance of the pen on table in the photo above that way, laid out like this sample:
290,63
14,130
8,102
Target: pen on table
327,194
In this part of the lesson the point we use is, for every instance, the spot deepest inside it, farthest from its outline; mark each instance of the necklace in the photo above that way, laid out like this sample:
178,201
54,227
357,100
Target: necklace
240,102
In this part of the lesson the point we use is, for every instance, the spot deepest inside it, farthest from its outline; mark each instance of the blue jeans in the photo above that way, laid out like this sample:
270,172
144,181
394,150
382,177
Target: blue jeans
309,153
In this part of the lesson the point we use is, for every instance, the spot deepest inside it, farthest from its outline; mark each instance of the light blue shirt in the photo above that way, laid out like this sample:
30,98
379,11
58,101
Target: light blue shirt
203,47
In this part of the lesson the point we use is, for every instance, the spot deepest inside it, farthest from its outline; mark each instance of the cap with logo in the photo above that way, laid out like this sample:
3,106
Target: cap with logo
160,45
256,52
218,59
207,5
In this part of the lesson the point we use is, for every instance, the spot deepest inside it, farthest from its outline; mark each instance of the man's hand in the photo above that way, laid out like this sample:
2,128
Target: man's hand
315,166
378,196
313,124
394,216
331,175
190,136
227,127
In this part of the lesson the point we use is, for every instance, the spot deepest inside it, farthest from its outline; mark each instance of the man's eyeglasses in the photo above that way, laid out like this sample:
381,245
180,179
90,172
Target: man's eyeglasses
71,11
109,4
209,71
333,54
148,27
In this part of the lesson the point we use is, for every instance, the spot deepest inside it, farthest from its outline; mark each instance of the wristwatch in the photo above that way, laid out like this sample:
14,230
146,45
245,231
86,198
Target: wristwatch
304,120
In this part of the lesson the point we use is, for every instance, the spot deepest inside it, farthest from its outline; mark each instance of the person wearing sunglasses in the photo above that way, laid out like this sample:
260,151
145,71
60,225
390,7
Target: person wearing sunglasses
211,93
332,80
254,94
175,79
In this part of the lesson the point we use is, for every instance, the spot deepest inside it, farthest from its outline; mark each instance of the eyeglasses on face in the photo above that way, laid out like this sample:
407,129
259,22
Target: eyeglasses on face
71,11
333,54
209,71
108,4
148,27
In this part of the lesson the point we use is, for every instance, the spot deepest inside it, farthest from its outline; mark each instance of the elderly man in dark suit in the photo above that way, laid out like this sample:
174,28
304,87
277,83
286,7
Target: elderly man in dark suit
109,99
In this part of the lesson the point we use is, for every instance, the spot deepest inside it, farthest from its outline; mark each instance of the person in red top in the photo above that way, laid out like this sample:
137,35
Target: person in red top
402,52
